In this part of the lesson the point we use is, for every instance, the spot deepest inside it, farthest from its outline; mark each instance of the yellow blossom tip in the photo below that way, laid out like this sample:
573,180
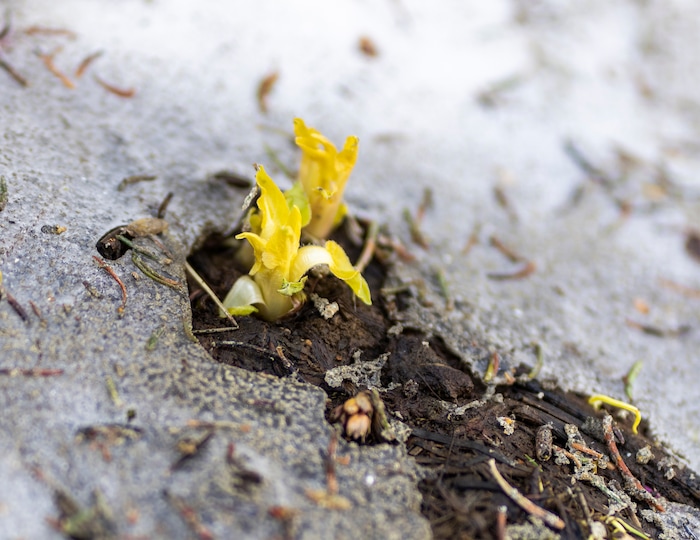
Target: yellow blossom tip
597,399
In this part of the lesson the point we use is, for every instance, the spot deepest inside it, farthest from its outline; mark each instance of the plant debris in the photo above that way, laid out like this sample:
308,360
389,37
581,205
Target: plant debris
83,66
121,92
552,454
48,60
116,278
368,47
3,193
134,179
12,72
264,88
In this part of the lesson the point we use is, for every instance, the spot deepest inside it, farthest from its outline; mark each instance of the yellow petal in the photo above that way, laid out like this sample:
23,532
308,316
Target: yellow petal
259,245
240,299
272,204
282,247
343,268
347,158
336,259
296,196
308,257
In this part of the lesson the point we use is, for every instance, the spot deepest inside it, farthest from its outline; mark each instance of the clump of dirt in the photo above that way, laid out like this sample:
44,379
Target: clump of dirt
455,432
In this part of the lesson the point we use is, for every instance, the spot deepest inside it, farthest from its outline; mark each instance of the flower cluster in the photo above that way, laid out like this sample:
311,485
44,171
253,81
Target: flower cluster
323,174
274,286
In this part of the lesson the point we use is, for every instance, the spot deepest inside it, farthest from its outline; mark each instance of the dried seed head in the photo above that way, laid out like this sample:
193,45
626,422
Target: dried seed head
351,407
358,426
364,402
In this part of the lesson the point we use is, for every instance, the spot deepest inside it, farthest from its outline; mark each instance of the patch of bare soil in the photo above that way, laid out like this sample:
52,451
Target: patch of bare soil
455,433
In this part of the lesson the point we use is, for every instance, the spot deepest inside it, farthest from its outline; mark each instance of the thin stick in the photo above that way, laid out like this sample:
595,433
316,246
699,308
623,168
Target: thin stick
505,250
115,277
85,63
14,73
368,249
212,330
16,306
190,516
634,485
414,229
472,240
33,372
155,276
194,275
524,271
44,31
552,520
47,59
135,179
121,92
585,450
264,89
331,478
501,521
682,289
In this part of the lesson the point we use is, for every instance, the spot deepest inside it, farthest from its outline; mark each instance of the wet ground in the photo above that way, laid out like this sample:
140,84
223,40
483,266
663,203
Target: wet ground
547,443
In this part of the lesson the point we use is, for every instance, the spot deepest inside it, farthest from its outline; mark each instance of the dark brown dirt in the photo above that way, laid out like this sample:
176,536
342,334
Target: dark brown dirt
461,498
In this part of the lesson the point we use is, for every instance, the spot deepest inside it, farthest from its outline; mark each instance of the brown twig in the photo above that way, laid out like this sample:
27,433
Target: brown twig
121,92
503,201
369,247
331,478
189,516
135,179
501,521
115,277
264,89
526,269
472,240
33,372
505,250
47,59
36,311
633,485
656,331
426,203
163,207
13,73
14,304
682,289
42,30
7,26
80,71
569,455
585,450
552,520
189,447
414,228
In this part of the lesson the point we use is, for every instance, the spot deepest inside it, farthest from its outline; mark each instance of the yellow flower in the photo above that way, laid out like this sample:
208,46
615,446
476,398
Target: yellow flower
278,274
323,174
